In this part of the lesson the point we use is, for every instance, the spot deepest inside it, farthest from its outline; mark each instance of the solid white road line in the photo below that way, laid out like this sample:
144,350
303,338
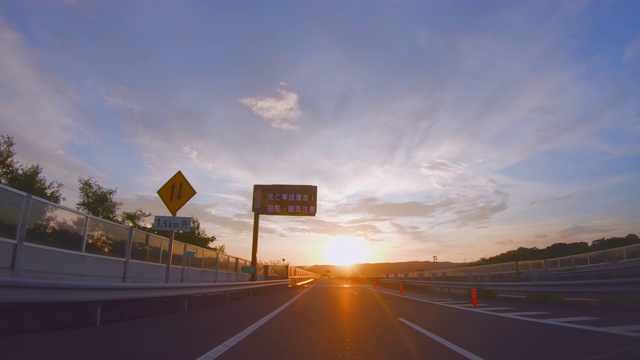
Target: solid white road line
217,351
568,319
527,313
354,292
624,328
442,341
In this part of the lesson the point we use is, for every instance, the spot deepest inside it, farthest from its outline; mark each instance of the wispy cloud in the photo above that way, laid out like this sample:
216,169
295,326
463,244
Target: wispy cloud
282,112
193,154
117,97
579,230
632,52
559,198
470,198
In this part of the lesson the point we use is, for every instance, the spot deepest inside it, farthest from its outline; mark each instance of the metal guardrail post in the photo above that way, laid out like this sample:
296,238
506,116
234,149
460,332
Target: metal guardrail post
85,231
97,313
22,233
236,270
184,263
160,257
167,276
127,261
217,265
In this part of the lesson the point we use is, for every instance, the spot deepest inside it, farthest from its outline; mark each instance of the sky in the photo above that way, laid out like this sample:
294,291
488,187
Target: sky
456,129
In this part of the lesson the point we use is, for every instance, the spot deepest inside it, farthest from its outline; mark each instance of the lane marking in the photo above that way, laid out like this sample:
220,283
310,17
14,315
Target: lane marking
577,318
218,350
527,313
493,308
454,303
442,341
609,330
624,328
354,292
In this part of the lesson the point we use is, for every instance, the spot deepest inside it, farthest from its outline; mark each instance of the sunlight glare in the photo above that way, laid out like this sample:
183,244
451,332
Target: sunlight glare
347,250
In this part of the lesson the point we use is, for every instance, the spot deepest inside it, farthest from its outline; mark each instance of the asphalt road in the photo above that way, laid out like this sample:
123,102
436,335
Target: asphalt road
333,320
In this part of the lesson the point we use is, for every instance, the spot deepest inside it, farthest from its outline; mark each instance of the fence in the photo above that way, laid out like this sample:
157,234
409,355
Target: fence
31,227
612,258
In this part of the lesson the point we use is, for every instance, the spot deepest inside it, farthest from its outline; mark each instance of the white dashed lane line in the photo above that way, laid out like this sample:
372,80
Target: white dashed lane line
626,330
528,313
569,319
442,341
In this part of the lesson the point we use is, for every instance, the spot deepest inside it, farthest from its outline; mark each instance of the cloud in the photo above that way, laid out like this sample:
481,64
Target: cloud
280,112
443,173
324,227
7,33
397,209
38,109
557,199
193,154
459,209
509,242
463,199
579,230
117,96
413,232
632,51
470,198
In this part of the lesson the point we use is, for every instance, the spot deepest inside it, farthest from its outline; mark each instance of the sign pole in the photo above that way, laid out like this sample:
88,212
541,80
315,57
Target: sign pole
254,248
289,200
169,254
174,194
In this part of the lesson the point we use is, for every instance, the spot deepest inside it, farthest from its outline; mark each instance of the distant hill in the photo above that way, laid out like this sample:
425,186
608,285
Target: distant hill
378,269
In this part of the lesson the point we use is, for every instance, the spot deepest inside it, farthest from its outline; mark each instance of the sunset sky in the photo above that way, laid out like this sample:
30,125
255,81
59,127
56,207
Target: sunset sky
456,129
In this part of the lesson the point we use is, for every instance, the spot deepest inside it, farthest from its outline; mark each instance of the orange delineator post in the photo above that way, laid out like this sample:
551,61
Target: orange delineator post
474,297
374,284
401,288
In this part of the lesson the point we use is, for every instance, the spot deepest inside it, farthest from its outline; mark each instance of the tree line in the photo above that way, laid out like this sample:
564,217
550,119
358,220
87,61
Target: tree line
95,199
559,250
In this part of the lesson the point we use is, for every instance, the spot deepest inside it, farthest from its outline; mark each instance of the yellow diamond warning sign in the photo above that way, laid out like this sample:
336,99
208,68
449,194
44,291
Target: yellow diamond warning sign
176,192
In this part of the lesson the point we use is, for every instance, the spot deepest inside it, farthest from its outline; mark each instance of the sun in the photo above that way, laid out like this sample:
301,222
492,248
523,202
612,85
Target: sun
346,250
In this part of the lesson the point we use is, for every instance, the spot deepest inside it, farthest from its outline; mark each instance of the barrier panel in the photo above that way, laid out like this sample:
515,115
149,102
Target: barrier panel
62,243
623,256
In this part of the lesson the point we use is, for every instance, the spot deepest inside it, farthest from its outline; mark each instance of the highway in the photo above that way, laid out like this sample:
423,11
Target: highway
330,319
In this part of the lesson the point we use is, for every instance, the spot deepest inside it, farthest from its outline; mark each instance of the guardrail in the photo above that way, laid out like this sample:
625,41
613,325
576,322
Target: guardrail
22,297
41,239
625,292
296,275
615,261
40,291
622,286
